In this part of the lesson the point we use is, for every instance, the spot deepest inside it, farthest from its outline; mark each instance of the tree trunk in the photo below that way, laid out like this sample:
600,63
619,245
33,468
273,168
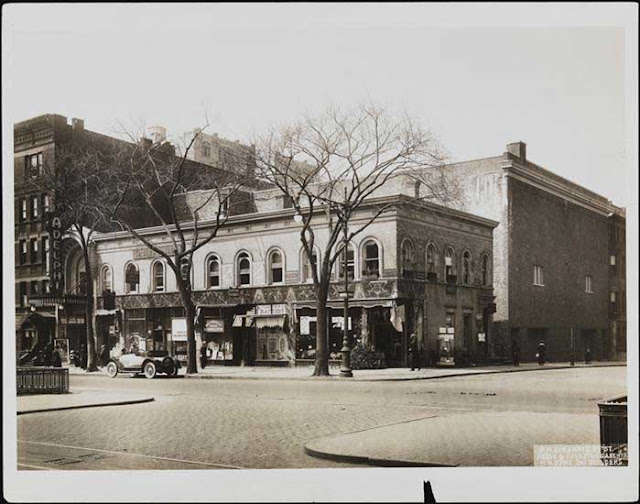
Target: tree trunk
189,311
92,359
321,367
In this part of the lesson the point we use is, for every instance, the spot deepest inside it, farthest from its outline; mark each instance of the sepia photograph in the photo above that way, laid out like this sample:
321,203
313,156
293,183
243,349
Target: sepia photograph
292,252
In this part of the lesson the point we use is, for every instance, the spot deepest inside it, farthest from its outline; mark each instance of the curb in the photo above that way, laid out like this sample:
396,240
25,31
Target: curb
81,406
200,376
378,462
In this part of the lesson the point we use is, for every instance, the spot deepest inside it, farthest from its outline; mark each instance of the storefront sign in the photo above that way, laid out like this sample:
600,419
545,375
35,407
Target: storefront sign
263,310
214,325
179,329
54,228
279,309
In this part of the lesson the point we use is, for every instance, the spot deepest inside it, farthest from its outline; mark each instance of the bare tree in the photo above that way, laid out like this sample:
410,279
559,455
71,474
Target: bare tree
76,186
330,166
157,180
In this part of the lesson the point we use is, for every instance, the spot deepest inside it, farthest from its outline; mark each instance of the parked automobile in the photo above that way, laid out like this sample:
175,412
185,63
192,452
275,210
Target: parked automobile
148,363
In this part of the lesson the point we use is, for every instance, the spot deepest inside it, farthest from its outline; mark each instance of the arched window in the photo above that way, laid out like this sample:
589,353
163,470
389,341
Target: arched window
351,264
307,272
157,272
371,259
213,272
449,265
485,270
106,277
276,267
431,263
131,278
244,269
466,267
407,259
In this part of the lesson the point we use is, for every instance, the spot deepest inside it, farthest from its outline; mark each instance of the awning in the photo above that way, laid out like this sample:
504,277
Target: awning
102,313
353,303
266,321
242,320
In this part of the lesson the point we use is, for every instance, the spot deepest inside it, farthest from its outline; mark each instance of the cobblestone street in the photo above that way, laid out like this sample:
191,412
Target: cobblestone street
265,424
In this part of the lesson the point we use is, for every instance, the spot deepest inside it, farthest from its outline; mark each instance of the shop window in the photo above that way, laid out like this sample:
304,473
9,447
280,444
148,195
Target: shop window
407,259
371,259
538,276
244,269
275,267
158,276
131,278
106,278
350,263
485,270
466,267
432,276
213,272
307,271
449,266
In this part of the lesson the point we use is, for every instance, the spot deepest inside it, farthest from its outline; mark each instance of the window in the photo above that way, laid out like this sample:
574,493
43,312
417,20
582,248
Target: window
131,278
538,276
449,266
466,267
431,262
34,207
275,267
485,270
244,269
407,259
588,284
23,209
33,165
307,272
350,263
371,259
612,297
45,248
612,260
158,276
35,288
34,250
287,201
46,287
106,278
23,252
23,294
206,149
213,272
46,203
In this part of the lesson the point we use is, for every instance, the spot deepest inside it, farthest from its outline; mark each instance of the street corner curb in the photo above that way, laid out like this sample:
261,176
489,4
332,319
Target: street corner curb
361,459
83,406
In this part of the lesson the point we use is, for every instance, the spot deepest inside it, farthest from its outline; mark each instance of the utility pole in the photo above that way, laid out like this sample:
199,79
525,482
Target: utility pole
573,357
345,365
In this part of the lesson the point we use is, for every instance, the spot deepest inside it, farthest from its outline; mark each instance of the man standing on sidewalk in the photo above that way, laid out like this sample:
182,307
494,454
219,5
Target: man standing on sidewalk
541,353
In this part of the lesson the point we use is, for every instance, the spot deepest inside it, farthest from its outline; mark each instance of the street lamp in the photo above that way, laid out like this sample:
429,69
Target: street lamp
345,351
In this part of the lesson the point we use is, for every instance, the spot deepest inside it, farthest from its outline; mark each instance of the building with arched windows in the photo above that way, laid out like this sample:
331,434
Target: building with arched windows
253,289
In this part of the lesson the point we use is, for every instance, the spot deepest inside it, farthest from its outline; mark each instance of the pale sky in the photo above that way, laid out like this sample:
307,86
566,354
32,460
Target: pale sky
479,76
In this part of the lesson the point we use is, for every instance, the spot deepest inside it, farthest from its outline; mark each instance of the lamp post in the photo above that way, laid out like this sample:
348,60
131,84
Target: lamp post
345,351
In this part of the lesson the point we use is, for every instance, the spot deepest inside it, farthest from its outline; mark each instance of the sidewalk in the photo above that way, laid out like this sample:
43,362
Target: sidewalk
75,400
469,440
390,374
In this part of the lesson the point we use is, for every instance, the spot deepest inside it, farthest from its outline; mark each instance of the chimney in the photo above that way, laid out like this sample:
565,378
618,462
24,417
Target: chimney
158,134
77,124
518,149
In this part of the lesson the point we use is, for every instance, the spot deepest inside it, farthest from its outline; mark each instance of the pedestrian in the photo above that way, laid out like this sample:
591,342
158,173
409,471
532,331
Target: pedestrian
515,353
587,356
541,353
48,352
414,352
56,360
83,357
203,355
104,355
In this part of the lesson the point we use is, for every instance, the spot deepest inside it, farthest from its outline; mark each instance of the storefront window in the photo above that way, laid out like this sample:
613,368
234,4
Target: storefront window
135,330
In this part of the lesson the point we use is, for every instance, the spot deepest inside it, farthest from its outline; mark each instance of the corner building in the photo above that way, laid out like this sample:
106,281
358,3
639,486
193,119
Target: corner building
420,268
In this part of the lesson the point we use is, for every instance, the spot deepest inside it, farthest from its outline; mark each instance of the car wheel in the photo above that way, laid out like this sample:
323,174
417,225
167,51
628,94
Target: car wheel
150,370
112,369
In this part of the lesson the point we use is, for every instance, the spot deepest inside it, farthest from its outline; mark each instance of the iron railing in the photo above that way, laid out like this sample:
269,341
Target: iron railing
613,431
42,380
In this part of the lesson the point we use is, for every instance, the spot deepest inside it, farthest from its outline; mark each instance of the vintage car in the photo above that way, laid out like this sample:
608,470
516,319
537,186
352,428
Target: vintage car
148,363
